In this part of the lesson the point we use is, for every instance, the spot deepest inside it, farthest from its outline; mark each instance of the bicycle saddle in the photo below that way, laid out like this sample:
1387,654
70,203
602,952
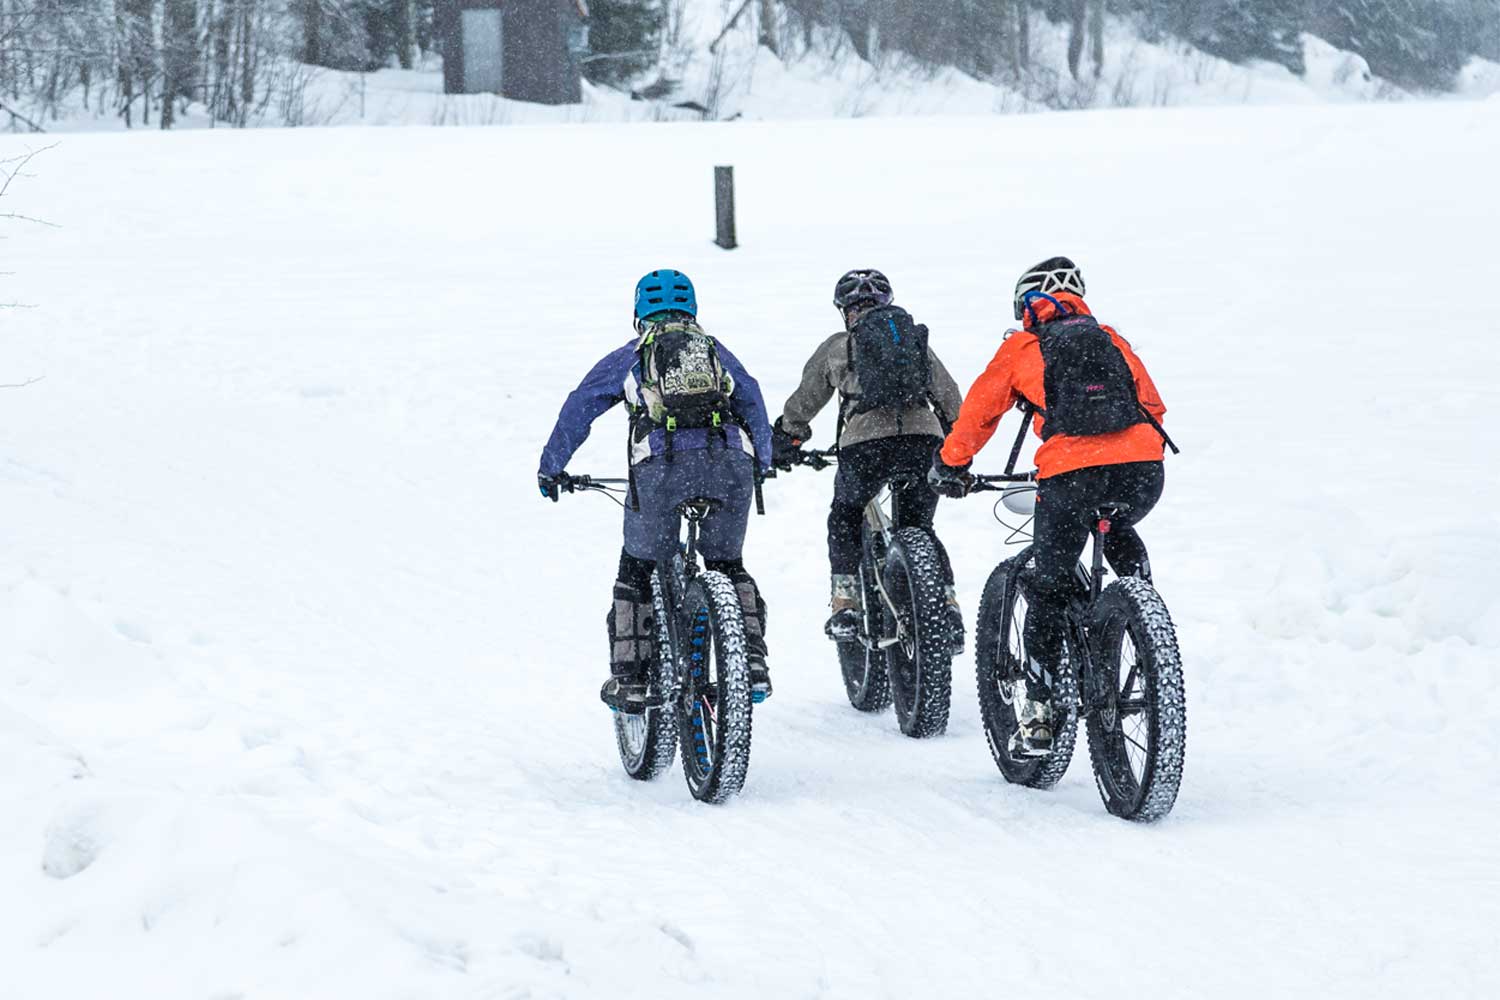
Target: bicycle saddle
1111,509
697,508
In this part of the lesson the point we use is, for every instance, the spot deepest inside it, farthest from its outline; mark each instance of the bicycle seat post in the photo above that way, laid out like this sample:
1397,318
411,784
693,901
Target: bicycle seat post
694,511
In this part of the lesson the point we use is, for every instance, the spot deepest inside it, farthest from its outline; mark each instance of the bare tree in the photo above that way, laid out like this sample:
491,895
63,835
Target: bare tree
1096,35
179,56
1077,15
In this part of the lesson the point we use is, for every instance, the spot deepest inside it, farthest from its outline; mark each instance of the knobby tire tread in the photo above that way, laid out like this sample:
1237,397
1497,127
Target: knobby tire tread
659,748
875,694
928,717
731,761
1134,603
997,608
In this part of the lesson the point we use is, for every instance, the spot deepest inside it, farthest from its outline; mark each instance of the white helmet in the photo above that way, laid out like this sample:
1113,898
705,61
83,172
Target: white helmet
1049,277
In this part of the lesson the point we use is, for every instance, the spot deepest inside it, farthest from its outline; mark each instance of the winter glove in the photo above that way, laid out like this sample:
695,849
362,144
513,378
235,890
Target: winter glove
947,480
551,486
785,449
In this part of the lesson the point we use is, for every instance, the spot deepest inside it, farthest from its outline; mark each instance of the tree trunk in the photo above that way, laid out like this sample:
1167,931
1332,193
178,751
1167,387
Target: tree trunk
406,32
1077,14
312,32
179,56
247,61
1096,35
1023,34
770,28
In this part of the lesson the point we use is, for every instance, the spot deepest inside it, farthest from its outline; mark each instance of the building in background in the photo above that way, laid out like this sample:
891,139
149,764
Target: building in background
527,50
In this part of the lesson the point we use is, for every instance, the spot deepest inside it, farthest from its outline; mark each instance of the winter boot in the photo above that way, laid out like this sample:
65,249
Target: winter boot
1033,704
848,609
631,624
753,606
955,616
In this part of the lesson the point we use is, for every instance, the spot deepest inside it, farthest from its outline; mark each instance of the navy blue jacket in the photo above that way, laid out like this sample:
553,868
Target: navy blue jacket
617,379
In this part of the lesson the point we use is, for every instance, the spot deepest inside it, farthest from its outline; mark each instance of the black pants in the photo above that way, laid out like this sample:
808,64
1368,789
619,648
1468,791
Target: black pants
1065,510
863,469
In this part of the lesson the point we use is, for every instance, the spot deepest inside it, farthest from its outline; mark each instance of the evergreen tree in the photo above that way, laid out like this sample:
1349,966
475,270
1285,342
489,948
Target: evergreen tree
1265,29
623,39
1410,42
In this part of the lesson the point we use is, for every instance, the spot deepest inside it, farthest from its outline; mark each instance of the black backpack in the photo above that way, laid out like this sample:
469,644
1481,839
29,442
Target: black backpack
889,359
1087,380
683,382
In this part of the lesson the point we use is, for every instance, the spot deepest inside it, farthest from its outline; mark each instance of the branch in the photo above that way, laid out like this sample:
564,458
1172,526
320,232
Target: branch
730,26
22,385
20,163
18,217
22,118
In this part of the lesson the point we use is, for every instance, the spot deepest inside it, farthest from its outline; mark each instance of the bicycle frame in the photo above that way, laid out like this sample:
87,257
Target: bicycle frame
1091,581
673,578
883,524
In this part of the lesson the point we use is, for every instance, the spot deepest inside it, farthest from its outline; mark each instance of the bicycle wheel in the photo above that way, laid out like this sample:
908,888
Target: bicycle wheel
920,664
1000,652
1138,724
648,743
713,710
865,679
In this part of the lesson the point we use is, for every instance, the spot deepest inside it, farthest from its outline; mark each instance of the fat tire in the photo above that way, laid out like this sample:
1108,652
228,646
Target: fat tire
652,754
866,681
1132,605
721,774
992,652
922,693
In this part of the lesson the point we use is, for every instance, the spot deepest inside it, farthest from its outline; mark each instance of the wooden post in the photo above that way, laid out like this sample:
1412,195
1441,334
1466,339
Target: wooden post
724,205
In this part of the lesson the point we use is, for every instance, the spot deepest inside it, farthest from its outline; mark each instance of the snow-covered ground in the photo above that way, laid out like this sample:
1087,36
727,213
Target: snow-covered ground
298,675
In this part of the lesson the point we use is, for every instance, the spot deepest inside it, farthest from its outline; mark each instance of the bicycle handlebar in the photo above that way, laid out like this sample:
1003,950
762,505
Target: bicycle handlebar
817,459
1001,483
574,484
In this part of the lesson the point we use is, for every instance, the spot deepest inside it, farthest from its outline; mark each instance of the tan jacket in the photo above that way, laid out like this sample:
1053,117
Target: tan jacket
828,371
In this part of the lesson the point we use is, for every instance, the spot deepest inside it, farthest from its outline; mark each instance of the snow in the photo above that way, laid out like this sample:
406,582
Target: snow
820,75
298,693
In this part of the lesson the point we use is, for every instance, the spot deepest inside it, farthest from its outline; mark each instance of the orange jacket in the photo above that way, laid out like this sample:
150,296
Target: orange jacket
1016,374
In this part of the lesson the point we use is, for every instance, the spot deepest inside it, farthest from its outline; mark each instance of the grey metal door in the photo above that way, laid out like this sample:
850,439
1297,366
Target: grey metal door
484,38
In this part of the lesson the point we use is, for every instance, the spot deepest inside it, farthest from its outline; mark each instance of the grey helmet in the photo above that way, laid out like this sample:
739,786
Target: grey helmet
866,286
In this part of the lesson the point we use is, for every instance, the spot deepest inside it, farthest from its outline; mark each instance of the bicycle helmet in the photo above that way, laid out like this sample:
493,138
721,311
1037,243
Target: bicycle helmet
867,287
1059,274
665,290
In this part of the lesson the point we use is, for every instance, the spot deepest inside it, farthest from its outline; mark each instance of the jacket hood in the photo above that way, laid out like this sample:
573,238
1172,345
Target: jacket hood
1044,309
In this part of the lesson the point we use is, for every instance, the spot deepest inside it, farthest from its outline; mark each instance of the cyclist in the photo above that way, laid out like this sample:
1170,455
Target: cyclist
698,428
896,401
1099,421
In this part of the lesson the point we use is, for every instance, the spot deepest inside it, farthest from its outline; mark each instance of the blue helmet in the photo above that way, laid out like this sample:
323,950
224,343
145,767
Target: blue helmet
662,290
